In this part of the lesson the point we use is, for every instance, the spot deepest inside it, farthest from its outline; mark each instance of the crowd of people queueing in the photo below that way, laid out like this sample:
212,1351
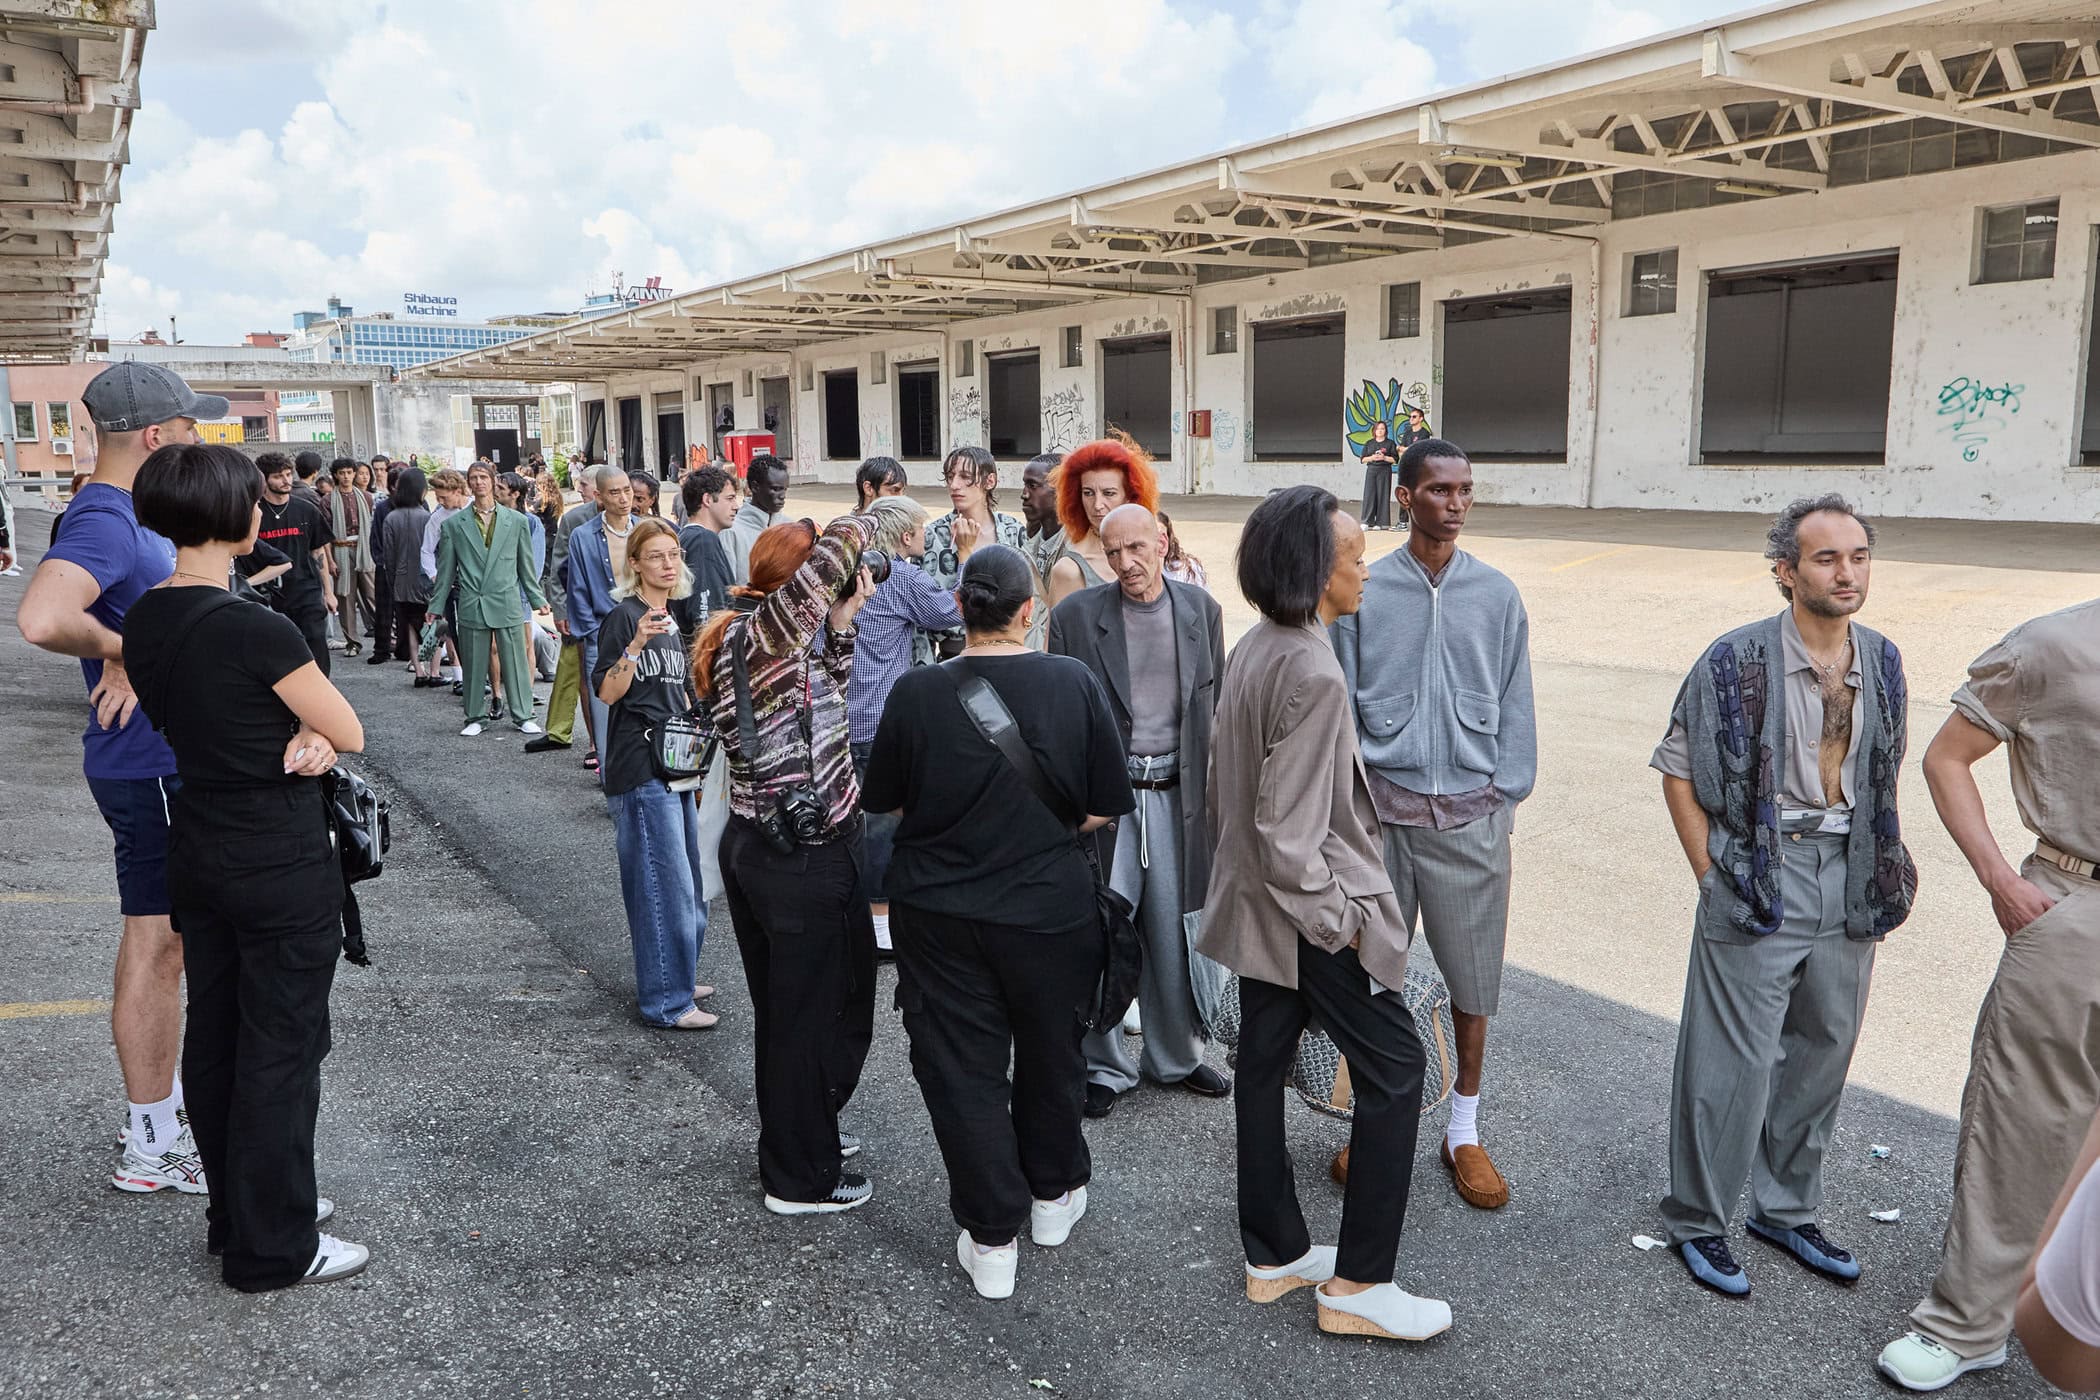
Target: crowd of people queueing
936,736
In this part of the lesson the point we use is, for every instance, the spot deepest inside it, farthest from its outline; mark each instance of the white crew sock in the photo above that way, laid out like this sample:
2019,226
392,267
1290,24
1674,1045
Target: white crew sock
882,933
1465,1122
154,1127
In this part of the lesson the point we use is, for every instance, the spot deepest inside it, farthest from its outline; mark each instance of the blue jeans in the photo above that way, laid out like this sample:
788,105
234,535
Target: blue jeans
657,832
601,713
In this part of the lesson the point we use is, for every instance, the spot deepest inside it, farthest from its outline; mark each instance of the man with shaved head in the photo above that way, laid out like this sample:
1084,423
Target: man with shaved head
1158,648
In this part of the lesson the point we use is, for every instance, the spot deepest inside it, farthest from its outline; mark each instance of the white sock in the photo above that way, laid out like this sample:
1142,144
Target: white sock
1465,1122
153,1125
882,932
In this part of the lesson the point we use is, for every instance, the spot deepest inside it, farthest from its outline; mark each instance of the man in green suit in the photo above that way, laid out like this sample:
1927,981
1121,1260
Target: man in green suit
486,552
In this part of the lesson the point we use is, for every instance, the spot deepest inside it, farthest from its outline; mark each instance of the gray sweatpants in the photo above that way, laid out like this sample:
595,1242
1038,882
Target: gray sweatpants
1763,1048
1172,1047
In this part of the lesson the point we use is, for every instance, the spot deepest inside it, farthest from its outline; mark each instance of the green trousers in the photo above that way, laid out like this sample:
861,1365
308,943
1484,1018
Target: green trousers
568,690
517,669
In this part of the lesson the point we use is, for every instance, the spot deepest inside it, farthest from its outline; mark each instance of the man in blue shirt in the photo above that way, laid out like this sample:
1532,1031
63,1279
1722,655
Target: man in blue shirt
75,606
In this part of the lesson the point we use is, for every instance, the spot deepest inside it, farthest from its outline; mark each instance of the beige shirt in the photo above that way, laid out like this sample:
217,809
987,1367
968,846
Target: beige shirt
2038,691
1801,777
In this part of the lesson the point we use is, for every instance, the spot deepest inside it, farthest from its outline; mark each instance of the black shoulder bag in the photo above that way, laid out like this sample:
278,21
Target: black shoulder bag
1122,951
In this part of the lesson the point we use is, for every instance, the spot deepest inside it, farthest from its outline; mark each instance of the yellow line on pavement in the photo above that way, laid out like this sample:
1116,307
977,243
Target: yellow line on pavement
53,897
1592,558
27,1010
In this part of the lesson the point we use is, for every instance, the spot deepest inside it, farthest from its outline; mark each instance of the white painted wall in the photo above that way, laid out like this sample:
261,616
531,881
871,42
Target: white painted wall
1634,391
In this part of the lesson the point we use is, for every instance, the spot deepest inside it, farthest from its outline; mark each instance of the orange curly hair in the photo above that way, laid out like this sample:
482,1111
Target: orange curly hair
1115,453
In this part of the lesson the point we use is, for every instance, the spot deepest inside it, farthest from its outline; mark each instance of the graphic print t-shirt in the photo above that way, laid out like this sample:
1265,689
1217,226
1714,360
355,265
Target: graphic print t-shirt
104,537
660,689
298,529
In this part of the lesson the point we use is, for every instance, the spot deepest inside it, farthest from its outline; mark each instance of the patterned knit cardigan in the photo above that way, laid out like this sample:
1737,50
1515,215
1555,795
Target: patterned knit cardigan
1737,729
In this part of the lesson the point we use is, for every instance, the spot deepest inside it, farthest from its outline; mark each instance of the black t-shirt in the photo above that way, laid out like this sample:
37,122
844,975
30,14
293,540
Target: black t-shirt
661,688
1381,453
298,528
207,686
974,841
709,562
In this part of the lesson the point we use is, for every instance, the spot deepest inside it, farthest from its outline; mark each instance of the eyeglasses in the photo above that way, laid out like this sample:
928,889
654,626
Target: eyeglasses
662,557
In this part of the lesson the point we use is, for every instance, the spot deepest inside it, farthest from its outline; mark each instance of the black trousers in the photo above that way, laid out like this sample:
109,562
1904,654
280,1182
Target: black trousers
258,897
808,947
1377,1036
312,621
975,995
382,629
1378,496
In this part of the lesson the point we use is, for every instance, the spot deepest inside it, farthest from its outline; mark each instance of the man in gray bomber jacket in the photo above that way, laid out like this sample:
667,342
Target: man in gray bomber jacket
1439,668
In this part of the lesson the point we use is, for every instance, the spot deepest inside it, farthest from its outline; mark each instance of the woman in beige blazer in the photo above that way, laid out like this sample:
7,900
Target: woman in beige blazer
1300,907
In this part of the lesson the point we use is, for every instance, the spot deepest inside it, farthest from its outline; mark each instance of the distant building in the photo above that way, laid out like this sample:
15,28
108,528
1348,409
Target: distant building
426,329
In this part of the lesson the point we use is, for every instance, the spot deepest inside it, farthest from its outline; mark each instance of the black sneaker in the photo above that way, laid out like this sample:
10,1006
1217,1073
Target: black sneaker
543,744
850,1192
1208,1082
1100,1101
1708,1260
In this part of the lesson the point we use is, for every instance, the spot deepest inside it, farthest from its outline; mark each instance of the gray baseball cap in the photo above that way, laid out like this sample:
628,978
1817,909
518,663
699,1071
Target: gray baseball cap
130,396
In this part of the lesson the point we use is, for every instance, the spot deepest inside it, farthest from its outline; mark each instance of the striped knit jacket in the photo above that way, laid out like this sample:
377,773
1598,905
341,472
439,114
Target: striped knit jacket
799,667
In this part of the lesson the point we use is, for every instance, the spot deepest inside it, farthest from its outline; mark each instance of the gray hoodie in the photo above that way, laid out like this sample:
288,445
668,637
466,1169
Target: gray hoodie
1441,678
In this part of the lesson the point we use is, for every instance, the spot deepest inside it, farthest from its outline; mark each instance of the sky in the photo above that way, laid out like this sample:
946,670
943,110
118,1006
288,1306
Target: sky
515,154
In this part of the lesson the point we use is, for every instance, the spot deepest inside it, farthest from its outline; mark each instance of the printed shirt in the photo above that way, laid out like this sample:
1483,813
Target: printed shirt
104,537
799,671
943,564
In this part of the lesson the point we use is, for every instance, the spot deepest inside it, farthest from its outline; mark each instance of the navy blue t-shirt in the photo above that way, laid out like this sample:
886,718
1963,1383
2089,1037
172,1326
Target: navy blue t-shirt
104,537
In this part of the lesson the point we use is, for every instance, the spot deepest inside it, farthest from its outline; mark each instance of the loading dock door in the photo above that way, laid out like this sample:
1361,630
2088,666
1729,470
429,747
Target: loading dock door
1797,361
1014,404
1506,375
842,415
919,411
1136,390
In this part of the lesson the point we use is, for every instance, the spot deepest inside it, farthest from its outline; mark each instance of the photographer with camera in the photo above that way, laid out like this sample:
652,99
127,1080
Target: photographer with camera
774,672
641,678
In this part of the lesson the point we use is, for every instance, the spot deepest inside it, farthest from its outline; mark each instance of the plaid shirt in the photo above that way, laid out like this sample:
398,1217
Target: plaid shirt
799,669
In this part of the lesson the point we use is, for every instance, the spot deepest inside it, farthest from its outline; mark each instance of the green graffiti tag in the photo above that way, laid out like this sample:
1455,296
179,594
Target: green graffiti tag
1972,410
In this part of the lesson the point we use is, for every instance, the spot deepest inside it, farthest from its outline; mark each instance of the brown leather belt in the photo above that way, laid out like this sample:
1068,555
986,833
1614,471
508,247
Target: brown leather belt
2066,862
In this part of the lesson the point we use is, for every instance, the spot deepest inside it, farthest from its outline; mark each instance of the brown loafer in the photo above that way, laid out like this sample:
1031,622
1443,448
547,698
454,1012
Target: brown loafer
1339,1167
1479,1184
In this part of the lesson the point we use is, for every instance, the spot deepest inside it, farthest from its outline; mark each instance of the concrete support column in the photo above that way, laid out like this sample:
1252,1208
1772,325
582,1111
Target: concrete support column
364,430
612,424
339,400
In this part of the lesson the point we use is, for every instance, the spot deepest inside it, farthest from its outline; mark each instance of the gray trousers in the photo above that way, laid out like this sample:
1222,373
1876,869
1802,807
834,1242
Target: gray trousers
1456,883
1763,1048
1148,873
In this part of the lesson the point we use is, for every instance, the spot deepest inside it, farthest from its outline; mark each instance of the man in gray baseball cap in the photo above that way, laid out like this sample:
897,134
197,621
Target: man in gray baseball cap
130,397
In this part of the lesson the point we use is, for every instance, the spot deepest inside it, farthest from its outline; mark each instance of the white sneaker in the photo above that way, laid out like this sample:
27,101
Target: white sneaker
1383,1310
850,1192
1131,1024
1916,1362
991,1272
531,726
179,1167
1050,1222
1267,1285
336,1259
473,728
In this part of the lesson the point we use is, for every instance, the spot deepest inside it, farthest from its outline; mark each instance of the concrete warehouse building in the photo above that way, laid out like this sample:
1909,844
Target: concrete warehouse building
1842,244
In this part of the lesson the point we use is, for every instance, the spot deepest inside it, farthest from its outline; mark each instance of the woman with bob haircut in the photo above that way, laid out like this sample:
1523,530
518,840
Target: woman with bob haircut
791,856
1113,471
253,873
643,678
971,475
1301,908
998,940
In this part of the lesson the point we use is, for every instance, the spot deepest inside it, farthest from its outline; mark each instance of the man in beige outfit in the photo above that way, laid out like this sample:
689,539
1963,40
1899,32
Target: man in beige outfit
2034,1070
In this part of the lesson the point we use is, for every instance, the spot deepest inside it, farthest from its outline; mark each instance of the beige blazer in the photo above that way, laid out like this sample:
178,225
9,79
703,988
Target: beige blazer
1297,851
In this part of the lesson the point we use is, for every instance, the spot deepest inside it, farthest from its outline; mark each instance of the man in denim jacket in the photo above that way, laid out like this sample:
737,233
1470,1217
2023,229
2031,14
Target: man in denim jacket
1439,669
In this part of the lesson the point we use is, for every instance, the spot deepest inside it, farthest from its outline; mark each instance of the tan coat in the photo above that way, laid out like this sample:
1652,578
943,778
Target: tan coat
1297,851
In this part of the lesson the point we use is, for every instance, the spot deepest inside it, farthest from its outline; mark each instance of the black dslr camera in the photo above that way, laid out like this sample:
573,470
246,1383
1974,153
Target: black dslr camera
877,562
797,817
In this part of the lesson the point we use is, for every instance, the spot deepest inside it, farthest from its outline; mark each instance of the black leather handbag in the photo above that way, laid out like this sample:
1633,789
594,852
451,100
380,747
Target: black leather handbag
1122,951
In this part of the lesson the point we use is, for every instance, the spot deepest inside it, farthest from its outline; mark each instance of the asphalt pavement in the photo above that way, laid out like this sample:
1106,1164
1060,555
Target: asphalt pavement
562,1202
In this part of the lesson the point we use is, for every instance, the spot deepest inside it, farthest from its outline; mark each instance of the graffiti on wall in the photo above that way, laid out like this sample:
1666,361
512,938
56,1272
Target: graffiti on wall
1064,419
1369,406
1224,429
1970,410
966,416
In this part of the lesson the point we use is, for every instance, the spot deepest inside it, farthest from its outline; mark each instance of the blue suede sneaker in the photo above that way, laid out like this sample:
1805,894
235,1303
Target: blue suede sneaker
1812,1248
1708,1260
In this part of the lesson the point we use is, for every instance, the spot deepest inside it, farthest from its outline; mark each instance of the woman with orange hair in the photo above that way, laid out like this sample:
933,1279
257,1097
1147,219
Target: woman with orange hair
772,672
1093,481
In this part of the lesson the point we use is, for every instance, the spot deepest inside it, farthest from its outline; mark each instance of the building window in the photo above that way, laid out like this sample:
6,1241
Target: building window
25,422
919,410
776,414
1403,311
1297,375
749,388
255,429
1072,342
2017,243
1651,284
60,417
966,359
1224,330
878,368
809,377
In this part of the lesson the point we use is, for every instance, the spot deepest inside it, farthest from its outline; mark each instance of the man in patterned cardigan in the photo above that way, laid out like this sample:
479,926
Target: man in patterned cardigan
1779,770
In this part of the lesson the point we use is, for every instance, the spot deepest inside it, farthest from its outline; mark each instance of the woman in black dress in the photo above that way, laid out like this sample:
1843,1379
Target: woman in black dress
252,867
1381,454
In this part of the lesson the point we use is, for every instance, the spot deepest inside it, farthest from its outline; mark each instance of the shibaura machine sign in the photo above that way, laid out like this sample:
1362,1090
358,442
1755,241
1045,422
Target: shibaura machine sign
424,304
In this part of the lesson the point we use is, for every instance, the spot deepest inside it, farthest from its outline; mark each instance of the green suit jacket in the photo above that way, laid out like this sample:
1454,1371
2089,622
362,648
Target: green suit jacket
489,577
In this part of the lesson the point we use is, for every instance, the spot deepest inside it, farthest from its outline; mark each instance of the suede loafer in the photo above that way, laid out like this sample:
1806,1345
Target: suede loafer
1479,1184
